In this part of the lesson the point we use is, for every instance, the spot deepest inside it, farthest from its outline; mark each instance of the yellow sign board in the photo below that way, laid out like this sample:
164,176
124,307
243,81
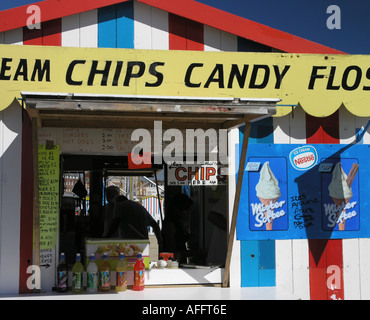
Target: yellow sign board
318,83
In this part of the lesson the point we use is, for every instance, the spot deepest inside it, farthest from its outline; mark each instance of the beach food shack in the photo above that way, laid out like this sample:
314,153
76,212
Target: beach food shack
124,92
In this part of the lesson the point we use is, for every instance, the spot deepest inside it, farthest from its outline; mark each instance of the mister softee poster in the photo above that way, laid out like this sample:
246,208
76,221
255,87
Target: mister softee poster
268,198
305,192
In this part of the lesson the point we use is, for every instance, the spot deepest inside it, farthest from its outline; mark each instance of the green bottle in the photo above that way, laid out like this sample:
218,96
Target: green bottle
77,274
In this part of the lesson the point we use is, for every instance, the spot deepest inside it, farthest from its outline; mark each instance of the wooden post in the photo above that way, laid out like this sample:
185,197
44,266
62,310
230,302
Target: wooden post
239,183
36,213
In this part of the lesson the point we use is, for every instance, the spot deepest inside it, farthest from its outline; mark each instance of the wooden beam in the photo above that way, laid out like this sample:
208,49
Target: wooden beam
126,124
36,213
239,183
62,114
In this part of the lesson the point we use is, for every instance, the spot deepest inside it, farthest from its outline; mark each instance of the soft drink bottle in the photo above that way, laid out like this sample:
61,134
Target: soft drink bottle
121,273
92,275
104,274
139,273
77,274
62,274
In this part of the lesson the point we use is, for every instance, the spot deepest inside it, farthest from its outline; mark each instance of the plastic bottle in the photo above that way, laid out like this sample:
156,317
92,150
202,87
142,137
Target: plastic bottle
62,274
104,274
77,274
139,273
92,275
121,274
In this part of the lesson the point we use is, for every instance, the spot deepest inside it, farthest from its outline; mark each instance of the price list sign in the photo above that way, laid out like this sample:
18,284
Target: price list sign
48,195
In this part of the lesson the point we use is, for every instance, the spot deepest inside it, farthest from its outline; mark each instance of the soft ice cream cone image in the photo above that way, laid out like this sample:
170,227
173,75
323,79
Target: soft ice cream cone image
268,202
268,191
340,190
340,204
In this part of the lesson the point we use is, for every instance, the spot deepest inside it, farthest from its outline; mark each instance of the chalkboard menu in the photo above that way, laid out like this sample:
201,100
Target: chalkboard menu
48,195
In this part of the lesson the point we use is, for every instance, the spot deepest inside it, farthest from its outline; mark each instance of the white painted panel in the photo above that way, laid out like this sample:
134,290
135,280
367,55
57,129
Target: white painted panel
297,128
351,269
89,29
347,126
283,248
71,31
235,265
281,129
2,221
351,263
229,42
10,167
212,39
160,35
284,264
14,36
364,248
301,274
364,244
292,259
217,40
142,26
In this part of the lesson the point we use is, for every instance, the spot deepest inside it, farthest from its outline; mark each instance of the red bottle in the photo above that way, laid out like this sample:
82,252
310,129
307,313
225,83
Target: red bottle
139,273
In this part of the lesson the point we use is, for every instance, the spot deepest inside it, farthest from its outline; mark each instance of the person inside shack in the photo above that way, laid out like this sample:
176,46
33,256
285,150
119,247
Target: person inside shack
132,220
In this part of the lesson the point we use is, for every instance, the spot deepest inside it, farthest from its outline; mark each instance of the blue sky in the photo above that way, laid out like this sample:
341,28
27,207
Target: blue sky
8,4
307,19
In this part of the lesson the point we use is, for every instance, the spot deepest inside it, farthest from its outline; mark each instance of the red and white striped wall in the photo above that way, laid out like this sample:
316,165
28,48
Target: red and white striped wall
322,269
305,268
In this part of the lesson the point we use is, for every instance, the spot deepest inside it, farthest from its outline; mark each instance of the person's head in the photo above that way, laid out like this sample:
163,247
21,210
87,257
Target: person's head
111,193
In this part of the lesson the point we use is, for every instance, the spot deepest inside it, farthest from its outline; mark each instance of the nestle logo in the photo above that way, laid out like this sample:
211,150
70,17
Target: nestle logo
303,158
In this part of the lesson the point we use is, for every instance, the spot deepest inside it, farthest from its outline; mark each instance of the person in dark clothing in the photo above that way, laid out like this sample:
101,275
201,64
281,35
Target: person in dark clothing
111,193
175,231
133,221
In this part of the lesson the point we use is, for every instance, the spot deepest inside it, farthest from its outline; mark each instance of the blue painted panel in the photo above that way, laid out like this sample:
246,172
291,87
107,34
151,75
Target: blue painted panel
262,131
249,263
258,257
107,28
125,25
266,268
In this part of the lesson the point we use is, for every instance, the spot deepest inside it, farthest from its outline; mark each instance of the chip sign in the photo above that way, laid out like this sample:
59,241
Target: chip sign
206,174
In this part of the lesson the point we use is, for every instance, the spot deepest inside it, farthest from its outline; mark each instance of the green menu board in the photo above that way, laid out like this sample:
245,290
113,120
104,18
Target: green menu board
48,195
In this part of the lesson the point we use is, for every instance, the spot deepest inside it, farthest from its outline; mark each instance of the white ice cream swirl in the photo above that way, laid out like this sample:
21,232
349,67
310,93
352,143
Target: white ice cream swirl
268,186
338,187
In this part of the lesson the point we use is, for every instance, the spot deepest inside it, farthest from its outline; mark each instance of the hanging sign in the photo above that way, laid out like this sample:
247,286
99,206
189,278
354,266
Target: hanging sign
206,174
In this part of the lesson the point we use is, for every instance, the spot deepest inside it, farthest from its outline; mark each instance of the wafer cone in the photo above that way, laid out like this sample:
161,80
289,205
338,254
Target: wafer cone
267,202
352,174
340,203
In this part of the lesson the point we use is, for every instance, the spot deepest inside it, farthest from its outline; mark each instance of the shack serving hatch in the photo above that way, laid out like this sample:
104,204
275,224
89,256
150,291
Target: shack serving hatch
126,111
